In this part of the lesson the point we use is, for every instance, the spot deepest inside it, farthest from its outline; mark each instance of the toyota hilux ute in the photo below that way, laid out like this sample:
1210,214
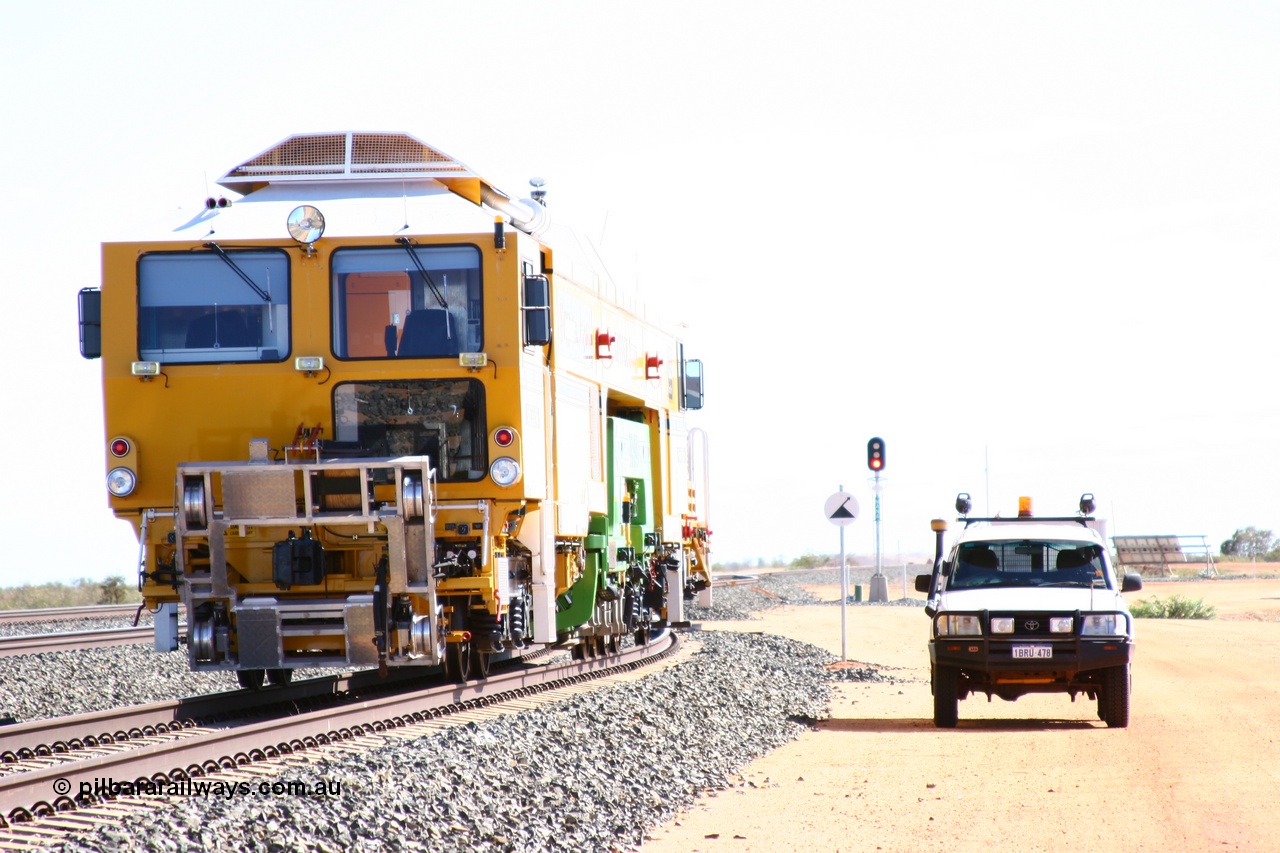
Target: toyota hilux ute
1028,605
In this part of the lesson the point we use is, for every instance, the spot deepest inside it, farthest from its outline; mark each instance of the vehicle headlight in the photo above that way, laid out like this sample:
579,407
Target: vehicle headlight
954,626
1061,624
504,470
1104,624
121,482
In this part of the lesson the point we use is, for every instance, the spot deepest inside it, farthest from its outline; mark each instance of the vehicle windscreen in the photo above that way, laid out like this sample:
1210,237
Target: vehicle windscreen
213,306
407,302
1028,563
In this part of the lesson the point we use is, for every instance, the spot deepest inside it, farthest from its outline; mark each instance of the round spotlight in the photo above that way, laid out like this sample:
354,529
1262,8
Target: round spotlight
306,224
121,482
505,471
120,447
503,436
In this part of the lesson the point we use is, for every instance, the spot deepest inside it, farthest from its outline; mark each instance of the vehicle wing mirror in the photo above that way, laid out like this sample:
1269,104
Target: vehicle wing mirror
1132,582
923,582
91,322
537,310
691,379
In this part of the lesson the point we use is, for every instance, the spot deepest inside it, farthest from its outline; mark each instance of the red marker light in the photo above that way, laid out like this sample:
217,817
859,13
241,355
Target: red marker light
119,447
503,436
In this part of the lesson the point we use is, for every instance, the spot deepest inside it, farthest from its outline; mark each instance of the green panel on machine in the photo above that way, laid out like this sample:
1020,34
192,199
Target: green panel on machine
630,472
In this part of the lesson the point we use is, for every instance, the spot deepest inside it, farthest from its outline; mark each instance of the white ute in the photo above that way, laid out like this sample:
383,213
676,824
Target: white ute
1028,605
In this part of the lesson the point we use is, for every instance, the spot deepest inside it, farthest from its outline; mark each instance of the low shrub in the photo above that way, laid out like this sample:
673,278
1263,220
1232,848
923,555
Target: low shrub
1173,607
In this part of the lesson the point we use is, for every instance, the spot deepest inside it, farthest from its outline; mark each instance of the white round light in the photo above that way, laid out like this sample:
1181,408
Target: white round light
121,482
504,470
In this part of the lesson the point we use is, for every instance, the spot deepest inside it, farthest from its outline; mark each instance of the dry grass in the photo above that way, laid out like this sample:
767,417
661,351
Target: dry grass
78,593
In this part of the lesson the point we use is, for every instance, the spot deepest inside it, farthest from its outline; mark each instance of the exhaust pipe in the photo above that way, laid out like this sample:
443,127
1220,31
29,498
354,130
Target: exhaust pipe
528,215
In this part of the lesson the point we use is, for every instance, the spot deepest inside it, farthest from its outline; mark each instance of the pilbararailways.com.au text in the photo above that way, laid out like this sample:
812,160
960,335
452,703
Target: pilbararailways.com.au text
107,787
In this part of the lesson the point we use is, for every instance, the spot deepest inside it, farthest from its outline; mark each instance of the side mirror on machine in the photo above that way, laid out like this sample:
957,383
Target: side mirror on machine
91,322
691,379
1132,582
537,311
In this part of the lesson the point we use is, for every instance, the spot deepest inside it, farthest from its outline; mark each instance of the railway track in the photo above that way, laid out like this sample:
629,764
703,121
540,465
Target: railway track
30,644
52,614
733,580
51,771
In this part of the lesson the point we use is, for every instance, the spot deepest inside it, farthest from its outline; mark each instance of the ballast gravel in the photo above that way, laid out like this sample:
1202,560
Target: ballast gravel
58,684
589,773
55,684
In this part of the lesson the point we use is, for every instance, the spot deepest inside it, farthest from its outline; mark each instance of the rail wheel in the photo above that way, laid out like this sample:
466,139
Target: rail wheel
457,662
643,629
946,696
650,632
279,677
251,679
480,661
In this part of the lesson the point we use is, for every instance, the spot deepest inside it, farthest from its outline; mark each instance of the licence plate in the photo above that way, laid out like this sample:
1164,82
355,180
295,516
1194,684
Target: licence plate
1033,651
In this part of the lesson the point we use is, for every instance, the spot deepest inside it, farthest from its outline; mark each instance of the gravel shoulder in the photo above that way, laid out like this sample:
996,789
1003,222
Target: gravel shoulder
1196,769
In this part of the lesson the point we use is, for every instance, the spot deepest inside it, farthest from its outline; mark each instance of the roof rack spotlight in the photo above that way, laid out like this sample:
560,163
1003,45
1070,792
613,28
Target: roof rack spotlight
963,504
1087,505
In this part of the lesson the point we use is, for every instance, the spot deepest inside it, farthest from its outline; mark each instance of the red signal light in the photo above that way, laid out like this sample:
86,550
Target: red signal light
503,436
119,447
875,454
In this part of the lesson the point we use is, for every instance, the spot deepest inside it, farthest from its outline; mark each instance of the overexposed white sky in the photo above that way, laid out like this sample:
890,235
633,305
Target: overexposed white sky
1034,246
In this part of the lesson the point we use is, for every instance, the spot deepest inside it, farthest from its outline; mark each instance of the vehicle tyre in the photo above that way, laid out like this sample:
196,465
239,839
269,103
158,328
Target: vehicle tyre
946,696
1115,696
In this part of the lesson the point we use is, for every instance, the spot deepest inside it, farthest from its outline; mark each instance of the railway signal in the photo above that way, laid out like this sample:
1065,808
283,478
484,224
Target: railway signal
875,454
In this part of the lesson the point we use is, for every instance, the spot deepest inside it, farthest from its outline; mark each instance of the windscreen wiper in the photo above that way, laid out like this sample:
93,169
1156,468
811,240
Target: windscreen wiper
417,262
266,297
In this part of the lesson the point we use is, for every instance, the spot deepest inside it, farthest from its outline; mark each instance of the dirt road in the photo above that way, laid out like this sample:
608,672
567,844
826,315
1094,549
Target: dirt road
1198,768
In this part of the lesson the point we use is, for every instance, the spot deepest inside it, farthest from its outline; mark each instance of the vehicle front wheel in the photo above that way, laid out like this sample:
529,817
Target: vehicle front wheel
1113,704
946,696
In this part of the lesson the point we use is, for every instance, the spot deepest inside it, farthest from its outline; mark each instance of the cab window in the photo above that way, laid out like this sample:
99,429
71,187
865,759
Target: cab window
213,306
406,302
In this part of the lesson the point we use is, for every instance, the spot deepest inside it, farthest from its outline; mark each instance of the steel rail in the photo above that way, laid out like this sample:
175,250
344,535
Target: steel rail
51,614
33,792
30,644
60,735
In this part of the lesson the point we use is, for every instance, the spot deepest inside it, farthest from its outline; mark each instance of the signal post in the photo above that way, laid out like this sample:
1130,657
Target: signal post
875,461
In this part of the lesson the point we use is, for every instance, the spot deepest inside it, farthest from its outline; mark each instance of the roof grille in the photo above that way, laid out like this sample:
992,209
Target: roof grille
343,156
